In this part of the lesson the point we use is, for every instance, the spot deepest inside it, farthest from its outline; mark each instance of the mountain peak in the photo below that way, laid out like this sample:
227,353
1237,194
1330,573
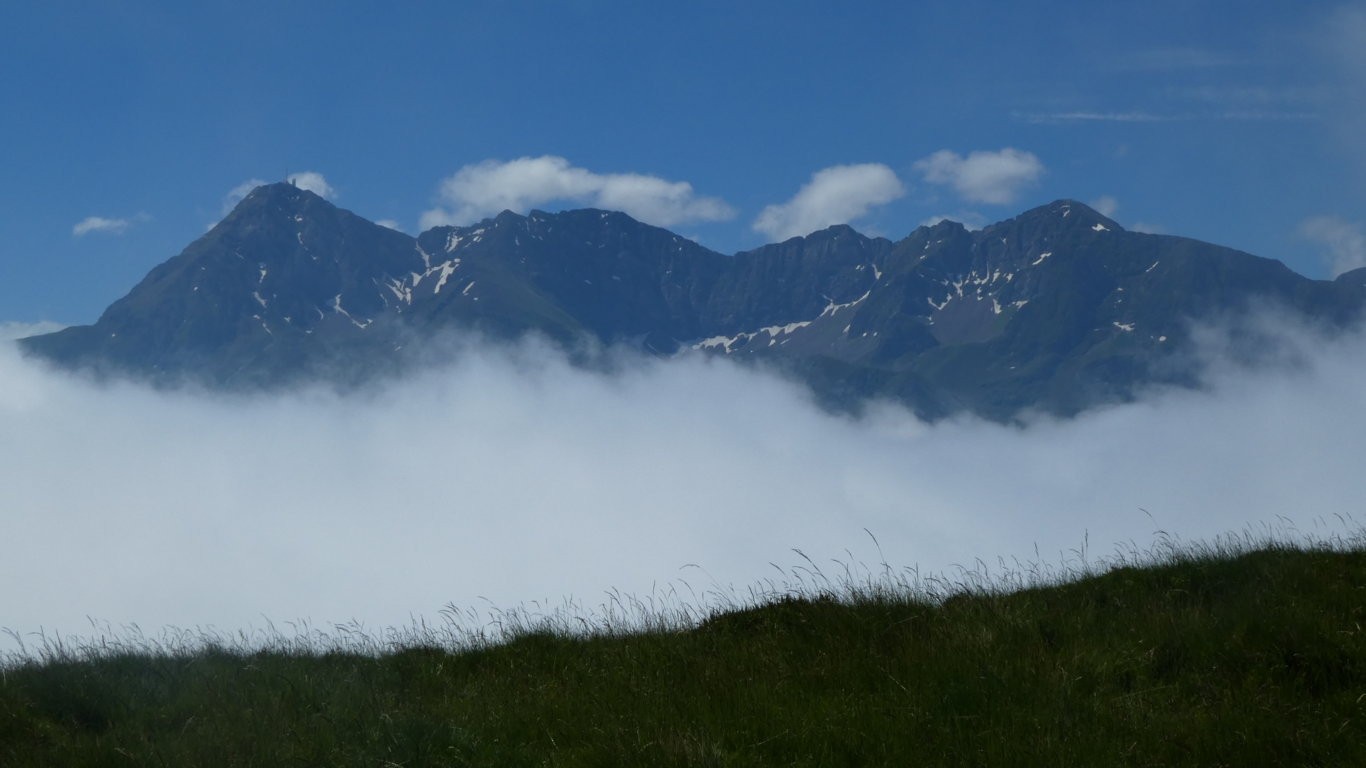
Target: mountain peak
278,200
837,230
1073,213
946,225
282,190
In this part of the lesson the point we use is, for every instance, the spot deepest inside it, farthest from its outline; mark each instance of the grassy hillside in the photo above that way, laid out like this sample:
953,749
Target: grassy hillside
1254,658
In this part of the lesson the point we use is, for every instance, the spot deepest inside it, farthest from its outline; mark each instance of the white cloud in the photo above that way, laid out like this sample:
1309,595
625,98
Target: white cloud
488,188
1106,206
983,177
102,225
1343,241
391,224
527,479
835,195
313,182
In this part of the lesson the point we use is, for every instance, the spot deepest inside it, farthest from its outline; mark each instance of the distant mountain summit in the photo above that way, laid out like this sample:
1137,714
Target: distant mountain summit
284,280
1057,309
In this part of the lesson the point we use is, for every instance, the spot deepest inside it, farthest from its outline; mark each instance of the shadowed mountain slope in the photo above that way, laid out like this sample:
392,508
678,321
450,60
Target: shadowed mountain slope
1057,309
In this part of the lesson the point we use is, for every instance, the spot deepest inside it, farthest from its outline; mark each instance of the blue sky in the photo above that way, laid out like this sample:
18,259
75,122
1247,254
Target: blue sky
127,126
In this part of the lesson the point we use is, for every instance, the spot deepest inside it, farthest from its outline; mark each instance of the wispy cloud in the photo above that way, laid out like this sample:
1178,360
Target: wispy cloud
1254,96
835,195
1343,242
983,176
107,226
1266,116
1171,59
1177,84
1079,116
1235,115
487,188
100,224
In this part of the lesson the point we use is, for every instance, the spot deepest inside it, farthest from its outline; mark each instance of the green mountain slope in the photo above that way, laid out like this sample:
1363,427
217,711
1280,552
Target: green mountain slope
1254,659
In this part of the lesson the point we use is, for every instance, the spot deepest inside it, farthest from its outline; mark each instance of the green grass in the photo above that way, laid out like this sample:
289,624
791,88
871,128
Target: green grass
1209,656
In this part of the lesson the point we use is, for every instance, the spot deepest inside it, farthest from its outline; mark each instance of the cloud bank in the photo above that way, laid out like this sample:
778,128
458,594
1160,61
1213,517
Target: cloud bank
515,477
488,188
835,195
983,177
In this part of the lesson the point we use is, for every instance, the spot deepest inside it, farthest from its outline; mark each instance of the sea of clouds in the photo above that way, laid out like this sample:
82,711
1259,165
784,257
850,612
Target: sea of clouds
510,476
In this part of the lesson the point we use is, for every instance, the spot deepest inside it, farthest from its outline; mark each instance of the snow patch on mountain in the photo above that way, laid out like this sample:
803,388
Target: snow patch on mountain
447,269
775,333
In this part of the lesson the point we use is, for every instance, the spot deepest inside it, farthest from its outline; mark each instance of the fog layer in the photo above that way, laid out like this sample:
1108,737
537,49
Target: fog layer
512,476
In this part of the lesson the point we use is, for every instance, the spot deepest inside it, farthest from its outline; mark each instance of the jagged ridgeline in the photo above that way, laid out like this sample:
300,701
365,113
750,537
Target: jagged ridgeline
1058,308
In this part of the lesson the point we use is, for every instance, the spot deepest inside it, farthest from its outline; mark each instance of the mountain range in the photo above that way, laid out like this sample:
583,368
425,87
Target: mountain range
1057,309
